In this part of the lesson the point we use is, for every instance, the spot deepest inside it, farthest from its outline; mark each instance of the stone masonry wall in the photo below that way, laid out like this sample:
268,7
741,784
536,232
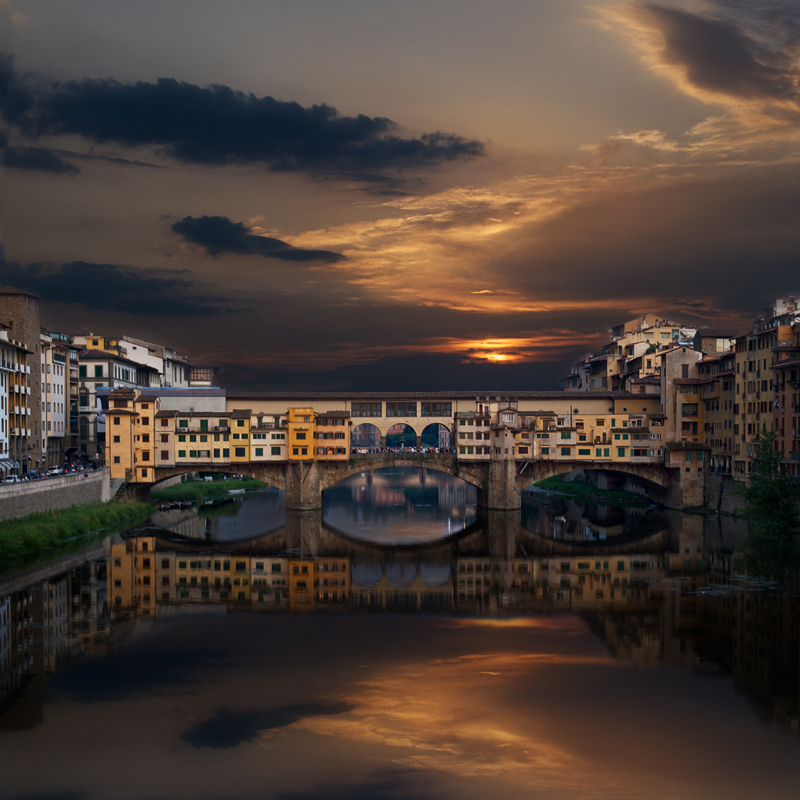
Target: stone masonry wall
19,499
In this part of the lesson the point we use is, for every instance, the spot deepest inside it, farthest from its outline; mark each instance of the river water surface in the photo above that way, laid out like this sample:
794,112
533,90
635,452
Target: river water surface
401,643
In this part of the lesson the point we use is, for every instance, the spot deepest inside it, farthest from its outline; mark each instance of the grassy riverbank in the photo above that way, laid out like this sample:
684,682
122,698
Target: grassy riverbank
37,536
588,491
201,490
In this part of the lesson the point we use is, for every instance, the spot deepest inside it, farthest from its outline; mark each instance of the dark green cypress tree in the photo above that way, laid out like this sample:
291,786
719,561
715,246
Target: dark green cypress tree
771,506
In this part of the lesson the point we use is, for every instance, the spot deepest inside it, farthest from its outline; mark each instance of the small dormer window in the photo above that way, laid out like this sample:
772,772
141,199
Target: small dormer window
508,417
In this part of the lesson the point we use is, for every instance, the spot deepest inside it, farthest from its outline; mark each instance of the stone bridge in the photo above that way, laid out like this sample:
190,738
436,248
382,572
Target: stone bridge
499,483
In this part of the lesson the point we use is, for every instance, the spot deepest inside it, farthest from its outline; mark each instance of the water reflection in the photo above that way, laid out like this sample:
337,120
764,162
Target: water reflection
226,520
535,645
400,505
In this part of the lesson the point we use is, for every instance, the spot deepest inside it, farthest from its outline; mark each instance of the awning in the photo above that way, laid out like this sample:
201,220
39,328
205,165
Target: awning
5,464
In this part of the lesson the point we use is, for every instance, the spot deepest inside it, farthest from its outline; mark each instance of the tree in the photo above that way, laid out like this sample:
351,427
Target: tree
771,506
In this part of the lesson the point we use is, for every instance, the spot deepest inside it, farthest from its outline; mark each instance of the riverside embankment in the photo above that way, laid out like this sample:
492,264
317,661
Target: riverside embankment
52,494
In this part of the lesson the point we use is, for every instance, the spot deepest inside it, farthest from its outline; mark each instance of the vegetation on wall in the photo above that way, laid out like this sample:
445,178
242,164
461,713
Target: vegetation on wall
28,539
195,491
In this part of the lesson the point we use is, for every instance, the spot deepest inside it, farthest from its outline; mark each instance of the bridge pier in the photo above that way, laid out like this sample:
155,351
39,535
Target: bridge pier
501,492
303,490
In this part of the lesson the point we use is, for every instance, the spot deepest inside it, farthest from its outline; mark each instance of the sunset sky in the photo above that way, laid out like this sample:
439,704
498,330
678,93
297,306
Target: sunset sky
421,195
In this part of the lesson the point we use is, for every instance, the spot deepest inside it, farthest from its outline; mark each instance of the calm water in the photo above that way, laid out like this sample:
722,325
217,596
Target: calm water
567,650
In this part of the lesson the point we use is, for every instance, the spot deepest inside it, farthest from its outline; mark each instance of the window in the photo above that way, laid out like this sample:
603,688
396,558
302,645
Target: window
301,435
584,451
239,452
545,451
401,409
116,460
182,437
621,452
216,452
259,451
240,423
82,372
183,423
181,454
437,410
275,451
145,437
565,451
367,409
566,434
98,371
688,456
116,440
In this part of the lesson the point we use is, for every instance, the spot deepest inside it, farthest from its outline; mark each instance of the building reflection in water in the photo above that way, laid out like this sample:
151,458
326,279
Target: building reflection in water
666,592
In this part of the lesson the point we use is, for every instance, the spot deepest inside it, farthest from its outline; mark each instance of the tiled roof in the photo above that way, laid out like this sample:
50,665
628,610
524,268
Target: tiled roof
12,290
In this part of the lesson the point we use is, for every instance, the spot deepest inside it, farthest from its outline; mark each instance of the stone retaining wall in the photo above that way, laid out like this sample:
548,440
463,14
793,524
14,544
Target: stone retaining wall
51,494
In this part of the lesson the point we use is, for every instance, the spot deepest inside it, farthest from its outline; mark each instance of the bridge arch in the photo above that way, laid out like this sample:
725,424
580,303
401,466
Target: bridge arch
654,478
401,435
365,436
441,462
437,435
274,478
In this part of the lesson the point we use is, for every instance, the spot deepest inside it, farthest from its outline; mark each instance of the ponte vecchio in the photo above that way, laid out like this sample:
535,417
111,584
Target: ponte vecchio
304,442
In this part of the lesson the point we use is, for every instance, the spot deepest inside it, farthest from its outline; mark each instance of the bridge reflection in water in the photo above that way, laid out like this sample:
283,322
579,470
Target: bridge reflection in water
663,593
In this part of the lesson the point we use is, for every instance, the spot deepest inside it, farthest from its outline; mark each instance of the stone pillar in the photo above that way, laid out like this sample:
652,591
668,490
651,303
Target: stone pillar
419,442
303,490
502,491
688,488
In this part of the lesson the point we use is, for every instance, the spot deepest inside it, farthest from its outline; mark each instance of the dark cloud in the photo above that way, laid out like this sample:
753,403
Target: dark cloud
16,99
228,729
720,57
67,795
130,674
111,287
3,139
388,784
218,125
220,235
38,159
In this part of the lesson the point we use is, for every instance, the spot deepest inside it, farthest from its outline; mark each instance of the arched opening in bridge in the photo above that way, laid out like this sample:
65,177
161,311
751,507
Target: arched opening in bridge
401,436
365,436
436,436
400,505
217,506
593,506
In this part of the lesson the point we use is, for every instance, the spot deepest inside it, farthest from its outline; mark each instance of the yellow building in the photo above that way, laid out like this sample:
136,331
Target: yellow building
240,436
120,435
302,430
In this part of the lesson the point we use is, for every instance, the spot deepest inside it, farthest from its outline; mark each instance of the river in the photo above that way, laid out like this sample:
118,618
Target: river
402,643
